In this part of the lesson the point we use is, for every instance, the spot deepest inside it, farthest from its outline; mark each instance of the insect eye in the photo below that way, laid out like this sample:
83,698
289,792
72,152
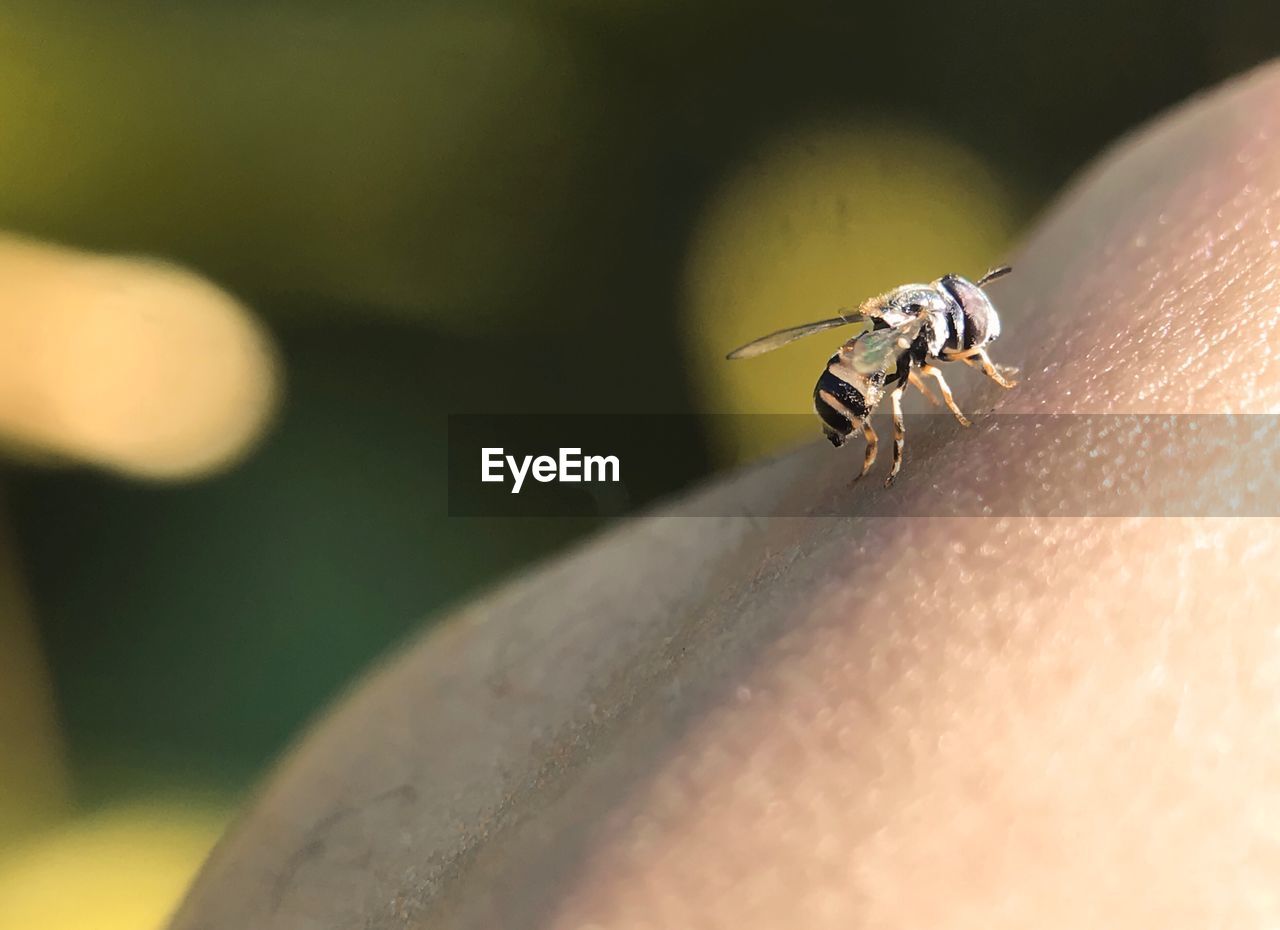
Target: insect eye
981,325
951,285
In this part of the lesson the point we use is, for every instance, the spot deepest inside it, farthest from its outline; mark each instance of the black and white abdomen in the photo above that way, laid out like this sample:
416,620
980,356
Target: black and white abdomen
841,405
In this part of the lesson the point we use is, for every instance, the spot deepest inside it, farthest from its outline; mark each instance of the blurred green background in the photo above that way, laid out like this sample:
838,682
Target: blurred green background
557,206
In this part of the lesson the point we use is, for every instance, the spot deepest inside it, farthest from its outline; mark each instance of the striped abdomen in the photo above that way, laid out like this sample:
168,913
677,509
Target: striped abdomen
843,399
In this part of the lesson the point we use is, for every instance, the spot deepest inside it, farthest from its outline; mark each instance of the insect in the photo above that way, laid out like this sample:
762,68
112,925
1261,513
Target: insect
903,335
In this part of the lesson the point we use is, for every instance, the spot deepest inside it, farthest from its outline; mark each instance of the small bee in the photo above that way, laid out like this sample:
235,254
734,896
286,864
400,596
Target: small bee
903,335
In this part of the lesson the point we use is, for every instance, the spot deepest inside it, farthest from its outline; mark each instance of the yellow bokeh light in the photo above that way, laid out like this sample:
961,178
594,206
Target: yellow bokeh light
132,364
123,869
814,223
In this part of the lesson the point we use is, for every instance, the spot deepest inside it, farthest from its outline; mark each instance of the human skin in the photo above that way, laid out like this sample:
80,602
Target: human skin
866,722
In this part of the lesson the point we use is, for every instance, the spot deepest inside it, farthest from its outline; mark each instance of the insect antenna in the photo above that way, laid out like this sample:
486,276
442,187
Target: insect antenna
993,274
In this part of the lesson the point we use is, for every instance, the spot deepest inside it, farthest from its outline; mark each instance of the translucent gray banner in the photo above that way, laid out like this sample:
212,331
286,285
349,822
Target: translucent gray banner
1218,465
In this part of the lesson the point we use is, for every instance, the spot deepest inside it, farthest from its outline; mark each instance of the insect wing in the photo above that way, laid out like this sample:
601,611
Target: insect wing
783,336
879,350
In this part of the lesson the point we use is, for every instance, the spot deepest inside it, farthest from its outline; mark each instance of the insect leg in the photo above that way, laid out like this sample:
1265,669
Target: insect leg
922,387
989,369
946,392
872,442
899,435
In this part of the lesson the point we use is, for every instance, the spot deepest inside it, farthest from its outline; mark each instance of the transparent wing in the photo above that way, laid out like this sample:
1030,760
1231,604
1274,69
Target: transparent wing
783,336
879,350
